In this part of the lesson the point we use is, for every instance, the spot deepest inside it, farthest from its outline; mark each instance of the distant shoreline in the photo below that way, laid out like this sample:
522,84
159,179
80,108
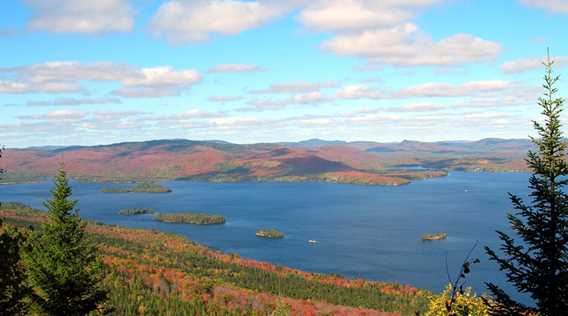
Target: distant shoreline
200,178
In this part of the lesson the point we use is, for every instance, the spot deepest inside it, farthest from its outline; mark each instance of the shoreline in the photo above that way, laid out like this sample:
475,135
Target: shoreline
316,179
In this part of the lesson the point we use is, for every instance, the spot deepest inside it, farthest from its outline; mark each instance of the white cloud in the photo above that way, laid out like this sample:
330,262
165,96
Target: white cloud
163,76
72,70
236,68
66,76
352,15
196,20
73,101
18,87
556,6
435,89
309,98
81,16
294,87
406,45
59,115
527,64
430,89
158,82
359,92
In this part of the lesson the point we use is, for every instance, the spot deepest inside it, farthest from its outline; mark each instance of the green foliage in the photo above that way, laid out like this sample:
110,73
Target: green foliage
191,218
14,291
539,264
115,190
22,208
132,297
465,303
212,272
135,211
150,187
63,265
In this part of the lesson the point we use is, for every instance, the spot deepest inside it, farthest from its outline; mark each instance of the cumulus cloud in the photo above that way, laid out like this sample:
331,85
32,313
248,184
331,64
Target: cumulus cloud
80,16
527,64
158,82
66,76
556,6
195,21
235,68
406,45
352,15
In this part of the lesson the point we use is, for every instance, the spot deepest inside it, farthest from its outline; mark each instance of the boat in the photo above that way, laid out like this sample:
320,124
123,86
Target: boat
311,241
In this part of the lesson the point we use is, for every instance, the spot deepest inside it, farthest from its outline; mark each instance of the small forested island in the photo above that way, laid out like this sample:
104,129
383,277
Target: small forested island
434,236
142,187
135,211
115,190
269,233
191,218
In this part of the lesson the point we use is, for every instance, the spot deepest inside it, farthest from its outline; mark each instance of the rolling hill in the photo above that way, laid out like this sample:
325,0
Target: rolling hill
312,160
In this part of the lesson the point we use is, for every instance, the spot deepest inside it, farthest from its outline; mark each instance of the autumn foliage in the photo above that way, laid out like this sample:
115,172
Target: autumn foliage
151,273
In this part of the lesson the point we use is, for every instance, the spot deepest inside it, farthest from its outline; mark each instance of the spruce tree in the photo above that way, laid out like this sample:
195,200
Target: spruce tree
63,264
14,291
538,264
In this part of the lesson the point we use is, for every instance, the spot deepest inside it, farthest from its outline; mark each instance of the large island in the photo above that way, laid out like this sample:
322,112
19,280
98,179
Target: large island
142,187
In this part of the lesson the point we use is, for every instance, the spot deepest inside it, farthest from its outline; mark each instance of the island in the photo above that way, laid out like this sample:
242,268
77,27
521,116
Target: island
142,187
115,190
269,233
135,211
191,218
434,236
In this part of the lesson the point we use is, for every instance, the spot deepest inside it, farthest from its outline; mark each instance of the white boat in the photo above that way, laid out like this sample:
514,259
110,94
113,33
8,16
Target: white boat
311,241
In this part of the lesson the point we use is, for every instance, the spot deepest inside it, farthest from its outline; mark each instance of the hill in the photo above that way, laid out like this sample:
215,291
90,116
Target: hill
154,273
313,160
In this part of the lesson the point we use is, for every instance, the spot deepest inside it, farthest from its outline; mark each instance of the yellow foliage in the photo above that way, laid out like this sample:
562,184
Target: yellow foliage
466,304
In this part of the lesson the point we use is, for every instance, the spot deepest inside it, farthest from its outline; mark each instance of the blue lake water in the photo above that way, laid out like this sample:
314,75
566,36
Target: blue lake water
370,232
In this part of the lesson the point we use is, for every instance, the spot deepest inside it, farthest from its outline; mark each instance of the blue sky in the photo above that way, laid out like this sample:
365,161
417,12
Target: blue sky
94,72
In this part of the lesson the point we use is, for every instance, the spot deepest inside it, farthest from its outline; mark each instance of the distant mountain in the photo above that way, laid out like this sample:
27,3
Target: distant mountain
310,160
314,142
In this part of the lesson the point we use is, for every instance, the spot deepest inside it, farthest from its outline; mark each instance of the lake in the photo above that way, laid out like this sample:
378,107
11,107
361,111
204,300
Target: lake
370,232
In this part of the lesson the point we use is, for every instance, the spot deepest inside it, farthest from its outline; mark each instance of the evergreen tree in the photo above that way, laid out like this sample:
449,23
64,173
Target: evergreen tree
13,289
64,266
538,264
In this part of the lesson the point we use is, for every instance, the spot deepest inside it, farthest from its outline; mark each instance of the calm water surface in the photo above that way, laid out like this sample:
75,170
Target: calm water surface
370,232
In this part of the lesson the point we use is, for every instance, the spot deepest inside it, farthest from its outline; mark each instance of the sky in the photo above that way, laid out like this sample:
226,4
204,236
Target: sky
83,72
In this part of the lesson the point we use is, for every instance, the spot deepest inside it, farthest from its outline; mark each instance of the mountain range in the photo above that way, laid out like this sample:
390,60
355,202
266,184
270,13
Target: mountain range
311,160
